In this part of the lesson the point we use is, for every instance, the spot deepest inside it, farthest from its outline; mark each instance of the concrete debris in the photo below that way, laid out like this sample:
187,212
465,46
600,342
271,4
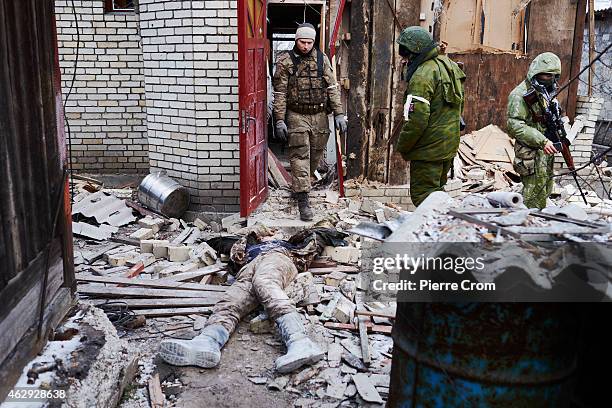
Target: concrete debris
344,255
142,233
366,389
344,310
154,224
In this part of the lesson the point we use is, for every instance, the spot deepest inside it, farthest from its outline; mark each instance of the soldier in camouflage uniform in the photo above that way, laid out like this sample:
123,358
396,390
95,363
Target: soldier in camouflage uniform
432,112
305,91
534,152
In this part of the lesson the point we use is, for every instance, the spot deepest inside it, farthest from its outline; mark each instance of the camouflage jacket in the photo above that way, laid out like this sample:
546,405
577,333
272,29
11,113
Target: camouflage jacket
285,69
529,134
431,132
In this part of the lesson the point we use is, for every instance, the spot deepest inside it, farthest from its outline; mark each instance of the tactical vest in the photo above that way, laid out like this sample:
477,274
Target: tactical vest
306,88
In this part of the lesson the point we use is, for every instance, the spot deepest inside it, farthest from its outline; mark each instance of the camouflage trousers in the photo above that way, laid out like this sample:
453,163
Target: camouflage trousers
308,136
538,186
427,177
263,281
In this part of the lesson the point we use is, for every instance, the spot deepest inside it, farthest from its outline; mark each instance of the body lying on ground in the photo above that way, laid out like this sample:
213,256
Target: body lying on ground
266,269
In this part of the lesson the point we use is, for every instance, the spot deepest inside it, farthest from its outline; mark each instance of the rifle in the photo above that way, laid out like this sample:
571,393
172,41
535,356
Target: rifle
550,117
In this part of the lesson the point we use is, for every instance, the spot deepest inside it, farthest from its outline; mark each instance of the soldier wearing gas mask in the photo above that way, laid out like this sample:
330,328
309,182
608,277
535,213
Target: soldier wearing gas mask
534,152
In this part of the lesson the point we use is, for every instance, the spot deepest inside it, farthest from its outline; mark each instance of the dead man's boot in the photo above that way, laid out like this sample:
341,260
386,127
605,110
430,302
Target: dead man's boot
300,349
304,206
202,351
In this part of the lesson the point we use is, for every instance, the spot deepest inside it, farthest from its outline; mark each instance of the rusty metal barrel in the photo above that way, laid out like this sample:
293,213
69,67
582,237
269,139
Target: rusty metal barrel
483,355
163,194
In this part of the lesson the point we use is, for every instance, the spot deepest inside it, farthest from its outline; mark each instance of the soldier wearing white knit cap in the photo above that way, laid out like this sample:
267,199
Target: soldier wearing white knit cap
305,91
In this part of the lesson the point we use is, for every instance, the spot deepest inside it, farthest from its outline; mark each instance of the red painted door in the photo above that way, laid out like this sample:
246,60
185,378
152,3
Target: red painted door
252,87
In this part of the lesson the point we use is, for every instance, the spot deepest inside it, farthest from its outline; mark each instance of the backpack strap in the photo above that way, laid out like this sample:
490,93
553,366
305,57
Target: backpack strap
320,61
294,58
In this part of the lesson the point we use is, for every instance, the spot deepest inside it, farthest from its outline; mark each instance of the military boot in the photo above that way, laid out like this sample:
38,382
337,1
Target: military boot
202,351
300,349
304,206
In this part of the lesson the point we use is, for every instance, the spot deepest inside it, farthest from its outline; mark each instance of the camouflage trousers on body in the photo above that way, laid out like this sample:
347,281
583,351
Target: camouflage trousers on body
538,186
427,177
263,281
308,136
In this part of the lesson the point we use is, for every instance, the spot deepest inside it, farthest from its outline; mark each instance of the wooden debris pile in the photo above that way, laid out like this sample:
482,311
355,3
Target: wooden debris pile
484,160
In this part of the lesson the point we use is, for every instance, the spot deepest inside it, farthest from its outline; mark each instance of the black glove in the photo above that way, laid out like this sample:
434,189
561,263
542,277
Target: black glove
281,130
341,123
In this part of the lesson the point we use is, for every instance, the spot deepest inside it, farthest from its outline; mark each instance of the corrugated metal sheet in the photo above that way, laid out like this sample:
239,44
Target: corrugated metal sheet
105,209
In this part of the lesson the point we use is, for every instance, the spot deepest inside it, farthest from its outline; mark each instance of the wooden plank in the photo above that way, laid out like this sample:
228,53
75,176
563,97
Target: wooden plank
134,271
572,91
372,328
407,12
276,168
381,56
208,270
339,268
173,311
97,254
377,314
151,283
363,340
182,236
110,291
156,396
164,303
357,138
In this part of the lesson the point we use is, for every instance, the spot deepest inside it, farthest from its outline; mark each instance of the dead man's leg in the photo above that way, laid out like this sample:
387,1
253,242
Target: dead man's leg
273,273
205,349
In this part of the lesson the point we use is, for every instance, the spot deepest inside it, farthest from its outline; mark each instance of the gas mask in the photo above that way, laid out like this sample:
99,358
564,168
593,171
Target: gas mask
549,84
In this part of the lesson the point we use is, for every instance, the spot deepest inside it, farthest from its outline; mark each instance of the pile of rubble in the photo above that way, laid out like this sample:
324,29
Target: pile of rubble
155,276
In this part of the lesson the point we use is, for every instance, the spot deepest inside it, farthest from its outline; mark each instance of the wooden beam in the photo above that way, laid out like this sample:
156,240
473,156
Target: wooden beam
363,340
163,303
151,283
110,291
572,91
359,65
407,12
208,270
173,311
372,328
339,268
377,314
156,396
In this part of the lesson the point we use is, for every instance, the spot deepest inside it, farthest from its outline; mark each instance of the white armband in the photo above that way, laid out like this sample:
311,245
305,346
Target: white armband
408,104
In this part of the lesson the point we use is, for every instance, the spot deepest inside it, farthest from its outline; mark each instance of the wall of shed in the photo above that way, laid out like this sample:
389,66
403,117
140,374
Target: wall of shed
33,188
375,97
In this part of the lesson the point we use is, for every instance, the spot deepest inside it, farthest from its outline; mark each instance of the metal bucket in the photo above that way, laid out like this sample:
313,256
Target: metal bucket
483,355
164,195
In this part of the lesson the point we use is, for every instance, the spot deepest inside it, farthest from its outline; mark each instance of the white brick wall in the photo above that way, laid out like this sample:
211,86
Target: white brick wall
106,108
588,111
191,85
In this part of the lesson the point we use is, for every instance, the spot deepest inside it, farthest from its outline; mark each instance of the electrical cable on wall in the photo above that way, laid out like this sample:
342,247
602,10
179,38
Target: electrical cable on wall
74,69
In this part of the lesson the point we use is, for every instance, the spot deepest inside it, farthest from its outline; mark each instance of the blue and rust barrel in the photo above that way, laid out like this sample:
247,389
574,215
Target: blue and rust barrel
483,355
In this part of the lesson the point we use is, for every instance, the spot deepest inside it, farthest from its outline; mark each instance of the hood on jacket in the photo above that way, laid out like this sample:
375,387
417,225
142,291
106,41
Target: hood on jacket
546,62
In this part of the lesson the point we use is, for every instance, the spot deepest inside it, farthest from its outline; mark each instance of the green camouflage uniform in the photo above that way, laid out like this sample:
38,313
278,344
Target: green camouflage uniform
430,136
302,99
531,163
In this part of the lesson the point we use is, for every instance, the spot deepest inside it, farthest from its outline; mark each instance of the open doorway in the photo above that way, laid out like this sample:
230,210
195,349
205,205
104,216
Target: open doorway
284,16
